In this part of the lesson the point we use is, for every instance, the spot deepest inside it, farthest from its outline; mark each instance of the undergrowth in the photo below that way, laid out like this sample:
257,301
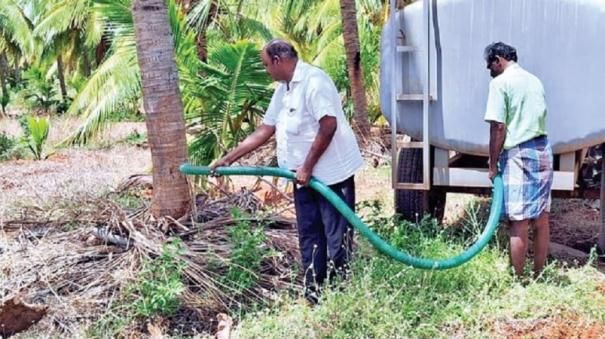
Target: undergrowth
385,299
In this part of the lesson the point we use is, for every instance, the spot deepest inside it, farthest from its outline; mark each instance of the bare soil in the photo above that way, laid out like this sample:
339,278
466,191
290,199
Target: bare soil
557,327
15,316
575,223
66,175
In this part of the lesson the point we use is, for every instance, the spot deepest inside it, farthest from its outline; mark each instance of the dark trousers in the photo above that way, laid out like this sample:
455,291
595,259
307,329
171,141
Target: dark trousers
323,232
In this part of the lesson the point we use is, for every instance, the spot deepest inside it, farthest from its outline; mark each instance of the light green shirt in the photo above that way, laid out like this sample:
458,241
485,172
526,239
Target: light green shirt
516,99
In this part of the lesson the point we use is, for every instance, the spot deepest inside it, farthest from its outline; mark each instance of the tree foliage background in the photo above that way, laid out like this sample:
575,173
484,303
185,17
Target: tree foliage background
78,57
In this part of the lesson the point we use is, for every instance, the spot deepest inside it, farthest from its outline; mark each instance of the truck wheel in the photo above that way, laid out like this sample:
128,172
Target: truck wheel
412,205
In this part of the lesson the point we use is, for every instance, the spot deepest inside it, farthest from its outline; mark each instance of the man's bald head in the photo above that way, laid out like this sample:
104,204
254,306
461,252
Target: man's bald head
279,58
281,49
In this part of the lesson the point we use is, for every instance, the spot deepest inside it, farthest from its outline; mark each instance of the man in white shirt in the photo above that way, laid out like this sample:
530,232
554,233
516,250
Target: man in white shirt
313,139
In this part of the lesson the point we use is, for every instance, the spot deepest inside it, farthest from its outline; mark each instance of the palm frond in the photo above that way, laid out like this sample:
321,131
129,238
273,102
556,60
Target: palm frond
94,29
17,26
117,13
226,100
250,28
116,81
63,16
198,17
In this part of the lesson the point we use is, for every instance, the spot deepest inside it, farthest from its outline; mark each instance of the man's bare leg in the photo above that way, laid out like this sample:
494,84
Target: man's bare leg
518,244
541,242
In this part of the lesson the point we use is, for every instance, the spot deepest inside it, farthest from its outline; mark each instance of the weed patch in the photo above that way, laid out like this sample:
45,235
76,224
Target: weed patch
159,285
384,298
247,253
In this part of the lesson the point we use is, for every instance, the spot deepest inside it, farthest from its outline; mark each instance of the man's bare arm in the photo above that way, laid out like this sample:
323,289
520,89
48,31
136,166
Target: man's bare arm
253,141
497,134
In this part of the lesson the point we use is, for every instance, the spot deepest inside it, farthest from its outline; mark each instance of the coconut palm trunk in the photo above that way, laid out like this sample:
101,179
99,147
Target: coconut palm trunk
61,75
202,36
163,108
86,64
3,87
202,45
350,36
100,51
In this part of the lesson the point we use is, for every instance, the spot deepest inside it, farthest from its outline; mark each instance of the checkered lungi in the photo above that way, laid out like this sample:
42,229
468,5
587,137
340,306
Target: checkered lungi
527,173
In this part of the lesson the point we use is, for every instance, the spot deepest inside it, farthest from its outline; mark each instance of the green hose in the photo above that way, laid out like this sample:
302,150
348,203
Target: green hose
343,208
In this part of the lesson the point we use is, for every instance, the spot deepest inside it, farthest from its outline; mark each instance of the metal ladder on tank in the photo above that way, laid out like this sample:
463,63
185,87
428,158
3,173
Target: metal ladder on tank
397,95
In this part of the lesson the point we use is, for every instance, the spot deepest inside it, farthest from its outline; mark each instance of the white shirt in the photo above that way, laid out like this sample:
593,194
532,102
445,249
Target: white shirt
296,112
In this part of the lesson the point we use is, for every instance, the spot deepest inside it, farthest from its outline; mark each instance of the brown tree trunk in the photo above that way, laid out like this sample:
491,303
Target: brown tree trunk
350,36
61,74
100,51
86,64
17,73
163,107
202,45
3,76
202,39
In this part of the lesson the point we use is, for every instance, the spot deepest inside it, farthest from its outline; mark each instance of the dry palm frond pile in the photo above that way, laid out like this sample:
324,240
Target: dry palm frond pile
79,263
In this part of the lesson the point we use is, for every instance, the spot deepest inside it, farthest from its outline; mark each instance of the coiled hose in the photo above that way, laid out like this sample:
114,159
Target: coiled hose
373,238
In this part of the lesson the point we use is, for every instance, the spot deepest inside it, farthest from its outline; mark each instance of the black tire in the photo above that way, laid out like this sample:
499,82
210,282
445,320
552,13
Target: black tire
412,205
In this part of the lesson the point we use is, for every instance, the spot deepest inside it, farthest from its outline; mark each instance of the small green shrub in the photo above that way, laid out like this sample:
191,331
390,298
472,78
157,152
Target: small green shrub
159,286
129,200
127,113
111,324
6,146
11,148
4,100
36,134
24,126
247,253
136,138
39,94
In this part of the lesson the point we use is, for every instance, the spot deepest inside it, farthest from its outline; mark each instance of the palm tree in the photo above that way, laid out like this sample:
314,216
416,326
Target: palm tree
351,40
70,29
16,31
116,83
4,98
17,41
163,107
201,16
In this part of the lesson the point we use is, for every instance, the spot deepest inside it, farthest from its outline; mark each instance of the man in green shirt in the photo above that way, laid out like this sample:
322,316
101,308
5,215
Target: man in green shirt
519,149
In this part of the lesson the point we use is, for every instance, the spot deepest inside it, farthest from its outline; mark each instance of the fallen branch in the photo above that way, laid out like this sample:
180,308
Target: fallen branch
104,234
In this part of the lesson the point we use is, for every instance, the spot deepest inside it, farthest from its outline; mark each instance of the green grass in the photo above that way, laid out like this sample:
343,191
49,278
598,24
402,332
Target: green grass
385,299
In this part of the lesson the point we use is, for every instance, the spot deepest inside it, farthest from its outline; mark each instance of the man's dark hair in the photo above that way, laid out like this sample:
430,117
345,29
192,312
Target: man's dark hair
500,49
280,48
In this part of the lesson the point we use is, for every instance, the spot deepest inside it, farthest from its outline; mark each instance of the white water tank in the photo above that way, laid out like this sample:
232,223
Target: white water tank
560,41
